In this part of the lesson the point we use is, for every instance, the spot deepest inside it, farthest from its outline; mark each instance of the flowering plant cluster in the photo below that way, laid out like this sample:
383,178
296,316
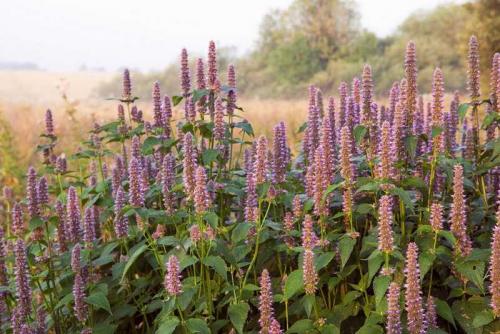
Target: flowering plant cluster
386,219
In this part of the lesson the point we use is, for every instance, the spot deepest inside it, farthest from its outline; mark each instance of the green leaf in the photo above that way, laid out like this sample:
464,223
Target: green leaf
132,259
380,286
374,262
211,218
330,329
199,93
168,325
218,264
176,99
240,232
323,260
425,261
346,245
462,110
444,311
301,326
331,188
436,131
465,311
197,326
245,127
308,303
293,284
35,223
473,270
404,196
149,144
483,318
489,119
359,133
99,300
370,329
238,314
209,156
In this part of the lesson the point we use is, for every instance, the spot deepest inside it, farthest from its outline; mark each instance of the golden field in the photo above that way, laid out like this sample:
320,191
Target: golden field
25,95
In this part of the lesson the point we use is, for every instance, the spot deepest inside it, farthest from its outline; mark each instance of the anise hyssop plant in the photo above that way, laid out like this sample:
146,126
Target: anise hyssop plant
385,219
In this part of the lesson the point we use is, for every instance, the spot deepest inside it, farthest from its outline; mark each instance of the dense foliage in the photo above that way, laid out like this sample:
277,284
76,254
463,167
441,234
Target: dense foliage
387,218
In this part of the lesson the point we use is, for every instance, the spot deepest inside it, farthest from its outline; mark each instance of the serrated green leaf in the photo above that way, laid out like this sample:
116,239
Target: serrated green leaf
209,156
218,264
346,246
197,326
483,318
132,259
293,284
168,325
99,300
323,260
380,286
238,314
444,311
301,326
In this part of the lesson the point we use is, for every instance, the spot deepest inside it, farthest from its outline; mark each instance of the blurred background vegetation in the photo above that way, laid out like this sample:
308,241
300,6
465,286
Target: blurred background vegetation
321,42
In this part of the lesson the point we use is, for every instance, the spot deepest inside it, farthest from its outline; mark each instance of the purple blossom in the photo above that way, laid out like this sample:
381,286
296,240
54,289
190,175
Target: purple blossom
32,193
120,222
158,119
127,85
185,75
73,215
172,281
135,183
22,278
49,123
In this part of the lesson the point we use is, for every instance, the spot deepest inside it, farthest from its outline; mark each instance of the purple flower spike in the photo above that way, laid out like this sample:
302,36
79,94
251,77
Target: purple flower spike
80,308
411,78
73,215
89,223
231,95
189,165
473,82
212,65
413,292
18,226
172,282
266,310
49,123
185,75
366,95
135,183
22,278
120,221
127,85
393,310
32,193
158,120
201,197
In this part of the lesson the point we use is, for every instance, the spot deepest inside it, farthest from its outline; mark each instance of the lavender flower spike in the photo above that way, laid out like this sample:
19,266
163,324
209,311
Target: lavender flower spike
265,302
172,281
310,275
127,85
32,193
49,123
413,293
495,269
135,183
261,161
189,165
393,310
473,72
201,196
212,65
385,239
120,221
185,76
73,216
458,219
80,308
22,278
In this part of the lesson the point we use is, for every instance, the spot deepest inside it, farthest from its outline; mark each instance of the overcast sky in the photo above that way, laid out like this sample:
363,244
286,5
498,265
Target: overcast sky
148,34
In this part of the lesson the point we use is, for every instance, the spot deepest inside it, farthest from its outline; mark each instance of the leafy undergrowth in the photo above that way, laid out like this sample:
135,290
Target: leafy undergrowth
383,222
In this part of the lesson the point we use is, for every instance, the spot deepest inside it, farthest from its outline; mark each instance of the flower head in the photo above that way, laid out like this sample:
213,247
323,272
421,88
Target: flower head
393,310
413,292
265,302
473,72
172,282
385,240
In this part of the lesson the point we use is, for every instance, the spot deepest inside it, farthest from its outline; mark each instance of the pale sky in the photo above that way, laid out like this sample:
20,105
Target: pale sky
148,34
